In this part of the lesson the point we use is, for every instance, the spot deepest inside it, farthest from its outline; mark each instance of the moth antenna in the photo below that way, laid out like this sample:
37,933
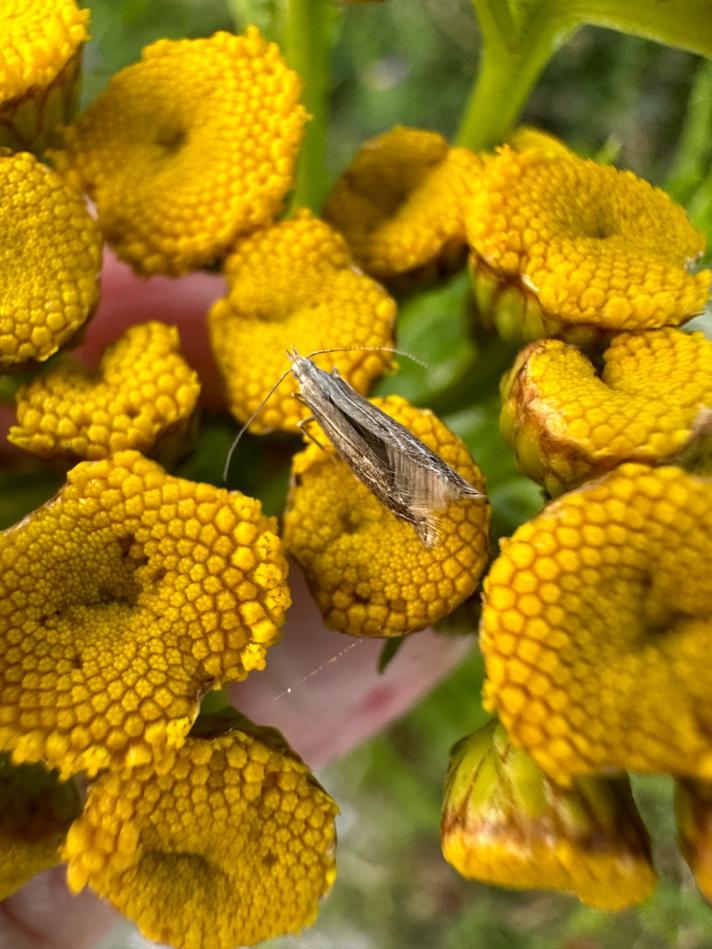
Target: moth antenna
370,349
251,419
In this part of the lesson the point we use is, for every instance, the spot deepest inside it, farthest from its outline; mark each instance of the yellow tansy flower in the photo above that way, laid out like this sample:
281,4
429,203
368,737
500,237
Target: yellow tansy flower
143,394
39,65
188,149
561,245
525,137
693,807
401,202
369,571
122,601
567,422
294,285
505,822
596,627
50,258
35,813
226,842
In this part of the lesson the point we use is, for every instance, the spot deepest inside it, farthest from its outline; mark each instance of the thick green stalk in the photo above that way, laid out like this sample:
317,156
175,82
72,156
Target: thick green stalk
307,30
514,52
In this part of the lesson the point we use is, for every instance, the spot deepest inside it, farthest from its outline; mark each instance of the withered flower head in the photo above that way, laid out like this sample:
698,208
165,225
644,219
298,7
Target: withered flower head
505,822
596,627
294,285
650,403
369,571
143,394
226,842
401,202
189,148
50,258
39,63
563,246
122,600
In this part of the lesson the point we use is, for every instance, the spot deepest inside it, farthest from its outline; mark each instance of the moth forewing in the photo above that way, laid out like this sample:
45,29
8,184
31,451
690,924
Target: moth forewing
404,474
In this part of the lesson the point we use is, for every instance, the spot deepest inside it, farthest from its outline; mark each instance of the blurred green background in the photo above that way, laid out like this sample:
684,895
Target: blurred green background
412,62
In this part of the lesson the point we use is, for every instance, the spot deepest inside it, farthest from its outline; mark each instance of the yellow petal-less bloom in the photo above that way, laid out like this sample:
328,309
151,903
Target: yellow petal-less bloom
563,246
693,809
36,811
596,627
50,258
230,841
39,65
295,285
525,137
567,422
505,822
189,148
122,600
401,203
143,393
369,571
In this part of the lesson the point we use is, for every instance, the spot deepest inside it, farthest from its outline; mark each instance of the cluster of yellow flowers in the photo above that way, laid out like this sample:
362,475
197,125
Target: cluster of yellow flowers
132,593
596,614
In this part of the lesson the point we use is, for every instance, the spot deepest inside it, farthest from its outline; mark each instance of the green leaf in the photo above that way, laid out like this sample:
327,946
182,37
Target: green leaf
683,23
389,652
433,327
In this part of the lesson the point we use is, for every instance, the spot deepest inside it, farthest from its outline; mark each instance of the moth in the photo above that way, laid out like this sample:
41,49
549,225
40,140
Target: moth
403,473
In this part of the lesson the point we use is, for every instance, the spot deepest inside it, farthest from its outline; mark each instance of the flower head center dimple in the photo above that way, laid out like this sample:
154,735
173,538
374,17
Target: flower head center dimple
171,140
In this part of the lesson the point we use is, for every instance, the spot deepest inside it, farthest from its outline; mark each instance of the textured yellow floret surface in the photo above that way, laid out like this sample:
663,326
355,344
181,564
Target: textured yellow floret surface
693,807
188,148
594,245
35,813
596,627
142,392
567,422
369,571
505,822
122,600
38,38
295,285
50,258
229,842
401,203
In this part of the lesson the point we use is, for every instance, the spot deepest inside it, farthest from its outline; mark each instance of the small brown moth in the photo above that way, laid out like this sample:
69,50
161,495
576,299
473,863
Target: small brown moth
404,474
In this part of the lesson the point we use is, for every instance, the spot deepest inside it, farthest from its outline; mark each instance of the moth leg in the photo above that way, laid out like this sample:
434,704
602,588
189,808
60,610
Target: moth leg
303,426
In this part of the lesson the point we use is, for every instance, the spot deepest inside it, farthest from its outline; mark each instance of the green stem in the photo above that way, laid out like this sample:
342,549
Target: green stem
693,156
513,55
307,46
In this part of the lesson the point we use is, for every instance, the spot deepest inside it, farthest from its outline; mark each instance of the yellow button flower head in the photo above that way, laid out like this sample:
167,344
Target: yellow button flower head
562,245
294,285
369,571
35,813
39,63
50,258
693,807
596,627
121,602
143,393
228,842
567,422
401,203
505,822
188,148
525,137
